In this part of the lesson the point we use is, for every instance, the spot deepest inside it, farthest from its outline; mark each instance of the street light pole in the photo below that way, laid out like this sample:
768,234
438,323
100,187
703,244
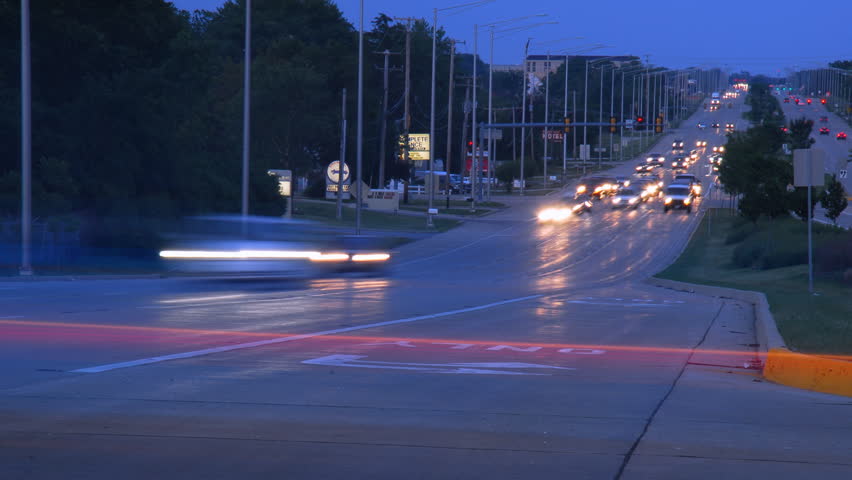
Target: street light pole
26,142
246,113
524,111
360,131
546,113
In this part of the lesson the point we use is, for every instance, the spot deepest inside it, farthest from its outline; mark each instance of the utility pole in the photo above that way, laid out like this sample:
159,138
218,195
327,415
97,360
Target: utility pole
26,141
464,132
407,118
524,111
450,114
384,118
342,163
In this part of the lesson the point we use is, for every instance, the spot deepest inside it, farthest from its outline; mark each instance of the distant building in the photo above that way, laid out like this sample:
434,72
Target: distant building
541,65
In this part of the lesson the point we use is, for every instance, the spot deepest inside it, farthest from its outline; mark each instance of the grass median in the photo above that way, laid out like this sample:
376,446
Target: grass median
370,219
770,257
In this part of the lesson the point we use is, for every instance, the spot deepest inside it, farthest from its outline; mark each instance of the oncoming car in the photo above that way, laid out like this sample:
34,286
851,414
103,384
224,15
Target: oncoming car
567,207
626,198
678,197
701,143
597,186
656,158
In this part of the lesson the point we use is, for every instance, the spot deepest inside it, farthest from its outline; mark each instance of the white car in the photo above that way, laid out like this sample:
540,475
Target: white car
626,198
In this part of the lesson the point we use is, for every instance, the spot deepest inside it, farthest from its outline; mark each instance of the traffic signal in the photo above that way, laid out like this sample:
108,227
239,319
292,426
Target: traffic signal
809,101
567,122
658,124
612,122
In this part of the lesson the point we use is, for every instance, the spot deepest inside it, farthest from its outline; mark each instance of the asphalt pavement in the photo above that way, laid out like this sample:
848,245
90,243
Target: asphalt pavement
504,348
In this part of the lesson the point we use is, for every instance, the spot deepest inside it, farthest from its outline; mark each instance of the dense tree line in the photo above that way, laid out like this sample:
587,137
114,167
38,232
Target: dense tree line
137,106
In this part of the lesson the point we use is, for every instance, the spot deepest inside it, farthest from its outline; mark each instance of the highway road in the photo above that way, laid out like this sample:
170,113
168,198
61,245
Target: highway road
837,151
505,348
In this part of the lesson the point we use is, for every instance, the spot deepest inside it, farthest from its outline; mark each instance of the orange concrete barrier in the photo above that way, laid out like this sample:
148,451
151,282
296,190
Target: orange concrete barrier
809,372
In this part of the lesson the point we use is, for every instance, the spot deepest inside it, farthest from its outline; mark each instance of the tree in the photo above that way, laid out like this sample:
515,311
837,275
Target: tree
798,201
800,133
833,199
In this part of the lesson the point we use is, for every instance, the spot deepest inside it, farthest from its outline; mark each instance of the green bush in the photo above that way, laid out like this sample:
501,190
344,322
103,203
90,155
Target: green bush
748,253
740,233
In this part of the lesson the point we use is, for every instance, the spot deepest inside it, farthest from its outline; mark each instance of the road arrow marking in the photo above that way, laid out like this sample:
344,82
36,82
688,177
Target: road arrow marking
484,368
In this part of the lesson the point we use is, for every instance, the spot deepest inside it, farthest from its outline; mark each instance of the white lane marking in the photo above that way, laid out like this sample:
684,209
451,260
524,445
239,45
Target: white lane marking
272,341
453,250
484,368
584,302
247,301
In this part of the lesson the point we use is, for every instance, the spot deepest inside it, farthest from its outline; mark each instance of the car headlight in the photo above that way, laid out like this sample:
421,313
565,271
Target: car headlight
649,159
581,189
696,189
633,200
616,200
687,201
546,215
668,200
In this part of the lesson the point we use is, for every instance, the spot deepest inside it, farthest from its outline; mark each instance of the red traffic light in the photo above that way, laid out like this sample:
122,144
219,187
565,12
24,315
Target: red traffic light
640,119
823,101
809,101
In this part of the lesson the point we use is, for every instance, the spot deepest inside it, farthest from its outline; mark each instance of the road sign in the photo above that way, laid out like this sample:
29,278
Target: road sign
600,149
489,133
553,135
584,151
808,167
333,171
843,174
418,146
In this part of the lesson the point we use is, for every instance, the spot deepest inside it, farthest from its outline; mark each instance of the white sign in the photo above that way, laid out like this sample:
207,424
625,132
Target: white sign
333,172
489,133
481,368
418,146
808,167
843,174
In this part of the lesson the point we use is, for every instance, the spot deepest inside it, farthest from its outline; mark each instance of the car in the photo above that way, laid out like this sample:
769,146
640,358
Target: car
841,136
823,119
786,100
622,181
597,186
626,198
729,127
702,125
565,208
691,180
647,188
715,125
680,163
677,145
701,143
809,101
657,158
693,155
678,196
719,149
644,168
785,130
824,130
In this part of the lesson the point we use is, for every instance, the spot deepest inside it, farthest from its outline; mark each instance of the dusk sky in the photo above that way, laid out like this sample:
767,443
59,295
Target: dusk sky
760,36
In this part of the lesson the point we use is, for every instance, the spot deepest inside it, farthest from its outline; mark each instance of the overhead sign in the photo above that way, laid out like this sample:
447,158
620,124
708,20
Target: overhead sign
418,146
808,167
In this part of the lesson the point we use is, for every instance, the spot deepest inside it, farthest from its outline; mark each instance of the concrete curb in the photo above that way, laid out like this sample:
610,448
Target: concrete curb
780,365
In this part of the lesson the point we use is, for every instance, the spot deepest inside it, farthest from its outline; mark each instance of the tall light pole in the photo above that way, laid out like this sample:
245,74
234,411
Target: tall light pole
26,141
565,105
359,149
492,31
524,111
246,113
431,193
586,100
